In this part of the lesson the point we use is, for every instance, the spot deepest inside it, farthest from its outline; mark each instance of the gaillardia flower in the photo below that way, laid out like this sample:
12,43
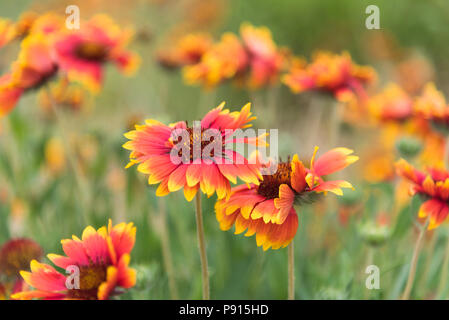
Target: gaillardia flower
433,186
101,258
253,60
333,73
82,53
159,149
392,104
186,50
431,105
267,209
33,68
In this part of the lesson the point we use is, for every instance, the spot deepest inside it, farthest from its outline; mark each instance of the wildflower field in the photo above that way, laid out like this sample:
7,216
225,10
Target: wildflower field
124,175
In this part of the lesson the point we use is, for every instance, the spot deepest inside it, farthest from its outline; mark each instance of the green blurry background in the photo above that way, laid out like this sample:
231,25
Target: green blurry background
331,255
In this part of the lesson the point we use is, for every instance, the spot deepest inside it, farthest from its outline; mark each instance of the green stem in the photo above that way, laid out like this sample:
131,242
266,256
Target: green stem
202,247
413,263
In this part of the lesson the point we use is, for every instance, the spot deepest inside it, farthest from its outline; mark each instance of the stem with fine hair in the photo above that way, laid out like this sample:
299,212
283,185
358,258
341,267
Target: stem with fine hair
202,246
291,271
413,263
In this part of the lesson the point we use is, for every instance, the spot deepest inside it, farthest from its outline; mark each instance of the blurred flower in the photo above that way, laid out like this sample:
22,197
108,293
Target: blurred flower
102,257
7,31
33,68
267,210
153,143
253,61
16,255
116,180
186,50
55,155
82,53
19,212
392,104
414,72
378,166
432,106
433,186
333,73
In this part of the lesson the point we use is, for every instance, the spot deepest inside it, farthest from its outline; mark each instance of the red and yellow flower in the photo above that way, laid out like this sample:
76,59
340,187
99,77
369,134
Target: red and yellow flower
82,53
153,145
253,60
433,185
333,73
33,68
186,50
432,106
267,209
392,104
102,257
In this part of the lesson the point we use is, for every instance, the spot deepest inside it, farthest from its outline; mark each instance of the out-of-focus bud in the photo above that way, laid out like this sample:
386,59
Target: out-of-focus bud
16,255
18,215
408,147
376,233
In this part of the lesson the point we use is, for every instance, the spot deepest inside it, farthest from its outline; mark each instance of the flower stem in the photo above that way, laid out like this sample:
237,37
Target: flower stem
202,246
291,271
413,263
443,277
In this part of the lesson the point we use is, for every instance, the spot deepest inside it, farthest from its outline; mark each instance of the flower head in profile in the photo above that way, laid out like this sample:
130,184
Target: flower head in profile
179,156
433,186
267,209
102,259
33,68
186,50
392,104
253,60
431,105
82,53
333,73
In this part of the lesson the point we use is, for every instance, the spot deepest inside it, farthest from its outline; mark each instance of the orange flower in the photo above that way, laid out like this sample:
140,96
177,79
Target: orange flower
33,68
101,256
432,106
16,254
433,186
187,50
392,104
7,31
267,209
191,163
333,73
254,60
82,53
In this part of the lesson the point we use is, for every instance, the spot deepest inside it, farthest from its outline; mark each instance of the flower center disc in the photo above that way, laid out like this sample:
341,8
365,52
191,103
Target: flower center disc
91,51
269,187
90,279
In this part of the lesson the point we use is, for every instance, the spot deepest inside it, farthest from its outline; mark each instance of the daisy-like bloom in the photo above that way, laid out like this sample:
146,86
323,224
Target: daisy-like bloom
187,50
432,106
82,53
392,104
433,185
33,68
333,73
267,209
101,256
253,60
154,143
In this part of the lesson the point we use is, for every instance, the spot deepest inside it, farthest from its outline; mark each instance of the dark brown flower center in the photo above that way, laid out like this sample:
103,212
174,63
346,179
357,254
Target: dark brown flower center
91,277
197,142
92,51
269,187
16,255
